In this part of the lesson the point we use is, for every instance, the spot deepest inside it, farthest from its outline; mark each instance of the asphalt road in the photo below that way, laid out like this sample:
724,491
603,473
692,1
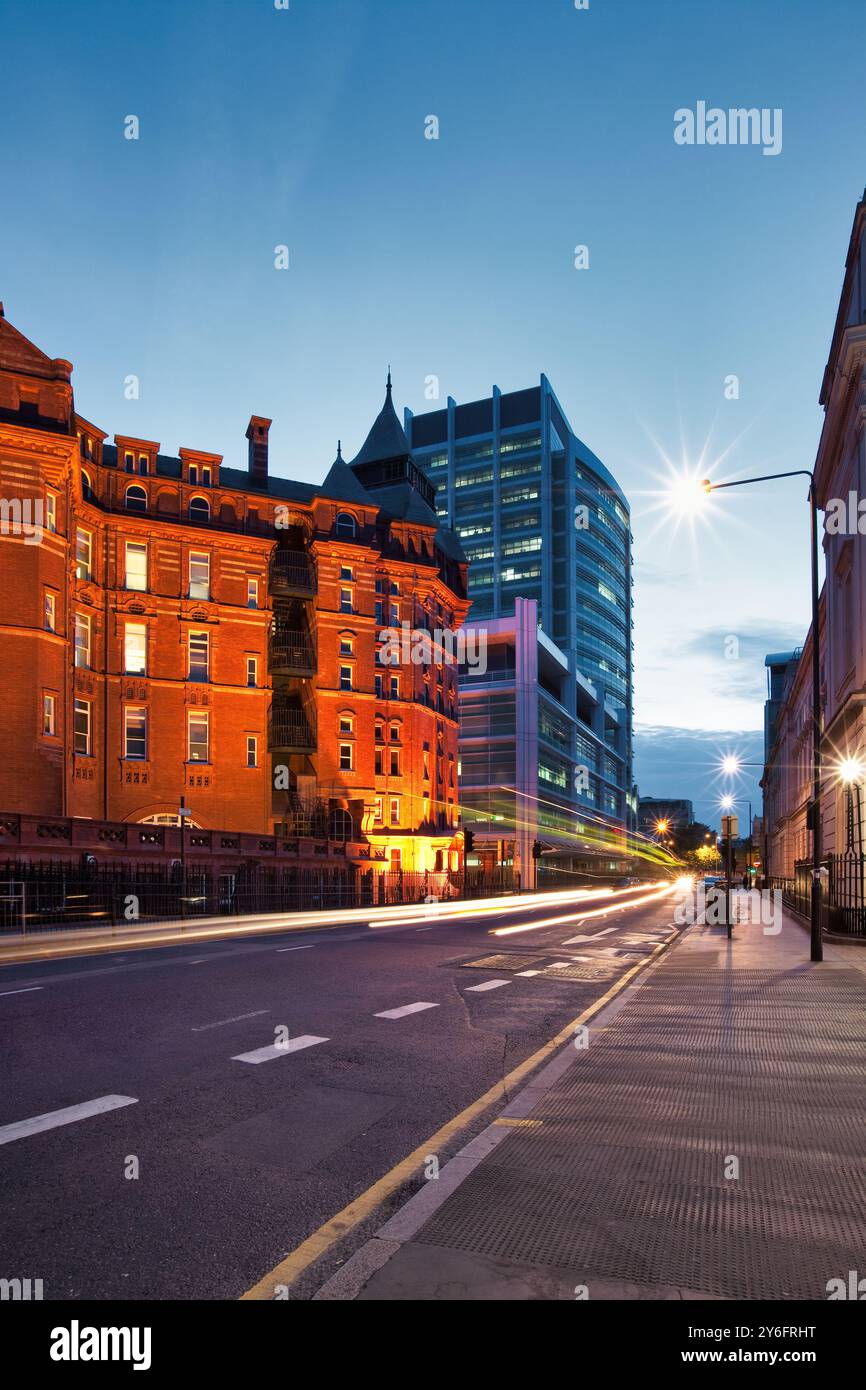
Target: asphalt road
243,1148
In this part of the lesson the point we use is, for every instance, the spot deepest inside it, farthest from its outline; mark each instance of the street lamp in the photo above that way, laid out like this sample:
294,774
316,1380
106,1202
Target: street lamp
814,815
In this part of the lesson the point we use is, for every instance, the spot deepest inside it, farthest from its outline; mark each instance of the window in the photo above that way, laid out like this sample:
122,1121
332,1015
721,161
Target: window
379,762
347,645
395,687
378,683
426,766
199,656
380,619
142,463
136,499
50,611
86,486
395,762
81,730
395,615
50,512
380,731
347,723
252,593
199,509
205,477
347,604
193,473
346,524
82,640
347,572
198,741
377,811
395,810
136,566
83,554
49,727
394,732
252,750
199,575
346,750
129,462
345,678
135,732
252,671
135,649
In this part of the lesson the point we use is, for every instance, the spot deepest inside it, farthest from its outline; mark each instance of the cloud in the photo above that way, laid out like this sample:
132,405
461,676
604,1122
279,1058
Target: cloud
677,762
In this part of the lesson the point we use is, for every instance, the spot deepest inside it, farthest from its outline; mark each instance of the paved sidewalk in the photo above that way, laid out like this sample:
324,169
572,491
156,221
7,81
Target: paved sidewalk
616,1178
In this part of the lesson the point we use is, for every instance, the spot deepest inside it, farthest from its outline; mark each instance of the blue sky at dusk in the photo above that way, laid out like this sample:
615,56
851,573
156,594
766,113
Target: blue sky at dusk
455,258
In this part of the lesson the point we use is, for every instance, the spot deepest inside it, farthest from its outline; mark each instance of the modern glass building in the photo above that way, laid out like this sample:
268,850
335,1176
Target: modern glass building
541,518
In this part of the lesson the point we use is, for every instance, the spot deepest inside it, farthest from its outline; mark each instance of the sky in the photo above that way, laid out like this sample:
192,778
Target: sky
455,258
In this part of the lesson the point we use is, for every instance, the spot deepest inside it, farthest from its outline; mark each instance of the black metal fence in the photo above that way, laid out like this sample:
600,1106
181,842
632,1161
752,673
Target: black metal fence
843,908
49,896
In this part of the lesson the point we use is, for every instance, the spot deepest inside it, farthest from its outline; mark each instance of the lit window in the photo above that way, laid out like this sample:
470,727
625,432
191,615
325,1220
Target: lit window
199,509
82,640
49,727
346,757
252,593
346,524
135,649
83,554
82,735
50,512
135,733
50,612
136,565
252,750
252,671
199,656
345,678
199,575
136,499
198,741
346,601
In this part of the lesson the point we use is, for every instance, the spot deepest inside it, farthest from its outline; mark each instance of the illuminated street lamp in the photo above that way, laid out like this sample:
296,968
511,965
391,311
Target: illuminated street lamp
814,815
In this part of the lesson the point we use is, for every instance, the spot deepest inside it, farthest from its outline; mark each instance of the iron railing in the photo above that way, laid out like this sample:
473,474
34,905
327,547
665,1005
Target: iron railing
291,653
292,572
289,730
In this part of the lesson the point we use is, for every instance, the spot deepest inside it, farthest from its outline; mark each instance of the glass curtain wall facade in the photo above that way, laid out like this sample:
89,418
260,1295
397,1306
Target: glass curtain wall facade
540,517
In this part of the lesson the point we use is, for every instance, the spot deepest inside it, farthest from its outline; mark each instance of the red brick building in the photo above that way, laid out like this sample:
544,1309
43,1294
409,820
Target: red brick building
173,627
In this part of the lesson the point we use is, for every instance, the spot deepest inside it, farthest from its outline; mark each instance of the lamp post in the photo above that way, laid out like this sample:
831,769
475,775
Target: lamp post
814,819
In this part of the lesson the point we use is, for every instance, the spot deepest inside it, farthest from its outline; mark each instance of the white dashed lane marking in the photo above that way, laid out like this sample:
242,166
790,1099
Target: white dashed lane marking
405,1009
53,1119
203,1028
270,1054
489,984
282,950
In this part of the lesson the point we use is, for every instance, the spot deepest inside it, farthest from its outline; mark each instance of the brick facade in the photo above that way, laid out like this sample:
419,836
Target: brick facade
173,627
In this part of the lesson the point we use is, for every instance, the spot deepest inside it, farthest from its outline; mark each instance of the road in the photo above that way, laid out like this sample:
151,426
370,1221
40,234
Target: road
225,1150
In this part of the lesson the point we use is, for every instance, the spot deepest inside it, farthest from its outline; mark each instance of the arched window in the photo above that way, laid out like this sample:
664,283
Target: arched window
199,509
86,486
346,524
340,825
136,499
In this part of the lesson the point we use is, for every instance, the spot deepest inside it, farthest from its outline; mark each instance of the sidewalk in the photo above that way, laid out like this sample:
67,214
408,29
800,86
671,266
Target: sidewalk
616,1178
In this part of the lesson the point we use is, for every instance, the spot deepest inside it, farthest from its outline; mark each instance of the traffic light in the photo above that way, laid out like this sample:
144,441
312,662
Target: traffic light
536,849
468,841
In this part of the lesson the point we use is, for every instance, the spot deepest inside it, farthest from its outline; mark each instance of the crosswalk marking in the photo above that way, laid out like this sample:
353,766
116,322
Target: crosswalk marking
489,984
270,1054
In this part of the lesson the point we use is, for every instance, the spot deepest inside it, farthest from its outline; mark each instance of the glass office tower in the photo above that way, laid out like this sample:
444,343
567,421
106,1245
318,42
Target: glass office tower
540,517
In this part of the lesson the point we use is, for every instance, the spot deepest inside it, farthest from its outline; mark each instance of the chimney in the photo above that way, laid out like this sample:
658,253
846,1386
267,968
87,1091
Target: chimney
257,434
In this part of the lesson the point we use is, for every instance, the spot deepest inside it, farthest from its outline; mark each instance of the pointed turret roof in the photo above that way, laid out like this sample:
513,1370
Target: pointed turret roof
341,485
387,439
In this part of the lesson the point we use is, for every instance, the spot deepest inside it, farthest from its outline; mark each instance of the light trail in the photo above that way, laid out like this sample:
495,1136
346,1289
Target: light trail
655,896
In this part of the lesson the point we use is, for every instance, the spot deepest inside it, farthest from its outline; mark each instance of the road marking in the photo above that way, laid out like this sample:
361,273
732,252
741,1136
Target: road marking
573,940
362,1207
197,962
22,1129
404,1010
270,1054
423,928
558,965
489,984
527,973
511,1123
223,1021
282,949
31,989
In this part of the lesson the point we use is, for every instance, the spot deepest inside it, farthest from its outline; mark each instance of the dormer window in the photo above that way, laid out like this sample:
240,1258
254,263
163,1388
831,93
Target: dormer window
136,499
129,462
193,472
86,486
346,524
199,509
205,477
142,463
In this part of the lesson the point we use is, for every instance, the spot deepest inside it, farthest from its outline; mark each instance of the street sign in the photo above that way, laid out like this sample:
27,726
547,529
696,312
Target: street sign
730,827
